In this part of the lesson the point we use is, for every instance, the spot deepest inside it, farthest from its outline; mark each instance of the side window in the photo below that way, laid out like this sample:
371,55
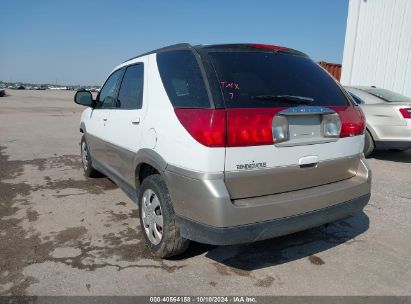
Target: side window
107,93
130,95
182,79
357,99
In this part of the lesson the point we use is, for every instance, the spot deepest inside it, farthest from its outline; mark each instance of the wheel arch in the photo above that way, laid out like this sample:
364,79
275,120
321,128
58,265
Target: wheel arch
82,127
372,132
148,162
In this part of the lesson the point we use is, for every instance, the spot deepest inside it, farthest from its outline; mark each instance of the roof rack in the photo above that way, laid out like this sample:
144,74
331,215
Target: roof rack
177,46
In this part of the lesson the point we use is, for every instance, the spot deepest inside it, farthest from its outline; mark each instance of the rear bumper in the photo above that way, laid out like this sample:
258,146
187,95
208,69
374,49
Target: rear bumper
265,230
393,144
206,212
392,137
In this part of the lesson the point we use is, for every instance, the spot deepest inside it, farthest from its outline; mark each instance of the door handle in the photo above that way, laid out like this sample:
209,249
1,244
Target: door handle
135,121
105,119
308,161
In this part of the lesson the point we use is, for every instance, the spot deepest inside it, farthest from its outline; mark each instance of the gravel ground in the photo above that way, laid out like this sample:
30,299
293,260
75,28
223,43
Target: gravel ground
63,234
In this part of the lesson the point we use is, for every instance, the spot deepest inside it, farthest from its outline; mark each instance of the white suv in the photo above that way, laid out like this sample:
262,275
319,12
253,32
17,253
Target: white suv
226,144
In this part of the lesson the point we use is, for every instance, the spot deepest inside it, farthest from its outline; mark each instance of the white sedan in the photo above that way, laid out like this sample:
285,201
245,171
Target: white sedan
388,116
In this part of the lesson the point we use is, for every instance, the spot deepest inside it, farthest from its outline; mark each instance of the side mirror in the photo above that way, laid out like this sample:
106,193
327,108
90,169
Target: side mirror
84,98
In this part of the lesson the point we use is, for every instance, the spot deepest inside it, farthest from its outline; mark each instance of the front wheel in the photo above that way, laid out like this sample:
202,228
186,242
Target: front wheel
158,220
89,171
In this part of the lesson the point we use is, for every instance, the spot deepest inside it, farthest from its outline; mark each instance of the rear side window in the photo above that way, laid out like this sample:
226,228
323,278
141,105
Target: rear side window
130,95
182,79
245,77
357,99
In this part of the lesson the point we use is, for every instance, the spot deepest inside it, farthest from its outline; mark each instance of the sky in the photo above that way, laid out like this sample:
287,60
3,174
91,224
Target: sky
81,41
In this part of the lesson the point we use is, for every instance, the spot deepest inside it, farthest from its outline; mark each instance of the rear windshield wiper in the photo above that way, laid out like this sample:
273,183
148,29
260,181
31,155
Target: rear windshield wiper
286,98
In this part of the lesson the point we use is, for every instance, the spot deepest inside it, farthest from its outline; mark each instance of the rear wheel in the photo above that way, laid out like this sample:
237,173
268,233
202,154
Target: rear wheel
369,145
158,220
89,171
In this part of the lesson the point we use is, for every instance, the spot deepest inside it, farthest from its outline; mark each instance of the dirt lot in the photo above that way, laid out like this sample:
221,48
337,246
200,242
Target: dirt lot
63,234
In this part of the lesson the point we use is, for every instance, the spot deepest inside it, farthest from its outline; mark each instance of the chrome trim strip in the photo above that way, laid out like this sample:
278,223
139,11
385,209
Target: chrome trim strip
305,143
304,110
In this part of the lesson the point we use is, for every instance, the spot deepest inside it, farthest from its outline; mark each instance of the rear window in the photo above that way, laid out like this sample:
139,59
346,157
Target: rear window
244,77
182,79
387,95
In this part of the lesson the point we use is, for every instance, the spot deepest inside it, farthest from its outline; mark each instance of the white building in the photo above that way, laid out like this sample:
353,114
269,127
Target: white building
377,48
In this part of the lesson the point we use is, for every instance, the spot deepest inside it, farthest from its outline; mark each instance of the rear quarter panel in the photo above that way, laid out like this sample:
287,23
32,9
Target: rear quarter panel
385,121
173,142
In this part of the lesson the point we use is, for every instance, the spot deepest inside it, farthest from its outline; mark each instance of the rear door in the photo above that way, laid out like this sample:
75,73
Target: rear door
99,118
126,120
277,104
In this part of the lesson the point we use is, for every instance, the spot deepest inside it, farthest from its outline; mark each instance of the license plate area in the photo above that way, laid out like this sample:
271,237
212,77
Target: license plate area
304,127
305,130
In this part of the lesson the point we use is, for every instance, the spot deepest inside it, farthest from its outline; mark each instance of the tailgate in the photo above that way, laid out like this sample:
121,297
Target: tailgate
306,160
282,171
283,112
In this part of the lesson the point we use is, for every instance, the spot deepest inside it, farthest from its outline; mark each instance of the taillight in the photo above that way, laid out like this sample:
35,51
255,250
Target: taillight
245,127
352,120
250,127
406,113
206,126
268,46
331,125
280,129
255,127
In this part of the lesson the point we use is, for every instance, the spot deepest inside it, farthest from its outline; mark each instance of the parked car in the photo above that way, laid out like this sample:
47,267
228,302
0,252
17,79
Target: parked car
226,144
388,116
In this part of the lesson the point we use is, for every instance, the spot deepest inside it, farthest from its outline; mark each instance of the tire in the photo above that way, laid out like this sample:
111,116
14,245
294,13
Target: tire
369,145
89,171
155,208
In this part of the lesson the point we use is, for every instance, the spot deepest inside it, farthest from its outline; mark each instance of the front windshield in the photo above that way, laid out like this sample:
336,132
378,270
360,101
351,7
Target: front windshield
387,95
